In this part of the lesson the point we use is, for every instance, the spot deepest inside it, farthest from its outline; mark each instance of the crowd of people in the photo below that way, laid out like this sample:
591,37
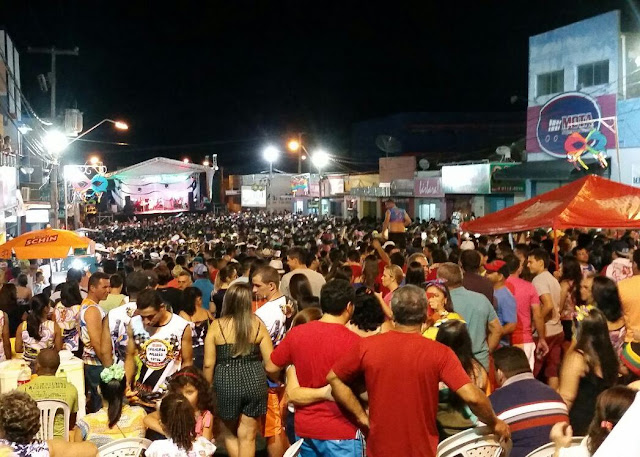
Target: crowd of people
359,338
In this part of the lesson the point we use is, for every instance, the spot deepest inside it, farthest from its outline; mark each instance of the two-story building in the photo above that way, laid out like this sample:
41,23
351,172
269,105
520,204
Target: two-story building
583,112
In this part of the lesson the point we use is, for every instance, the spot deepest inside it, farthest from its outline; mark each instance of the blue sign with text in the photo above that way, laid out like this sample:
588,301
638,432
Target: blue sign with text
563,115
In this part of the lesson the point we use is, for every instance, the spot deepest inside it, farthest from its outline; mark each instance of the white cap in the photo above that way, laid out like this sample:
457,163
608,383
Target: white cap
388,243
277,264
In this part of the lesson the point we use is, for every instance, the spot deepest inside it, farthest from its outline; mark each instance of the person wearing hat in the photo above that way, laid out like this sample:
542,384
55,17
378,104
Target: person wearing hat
203,283
621,266
395,220
497,273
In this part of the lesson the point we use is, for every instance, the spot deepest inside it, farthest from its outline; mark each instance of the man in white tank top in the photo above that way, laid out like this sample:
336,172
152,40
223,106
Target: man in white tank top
114,327
162,342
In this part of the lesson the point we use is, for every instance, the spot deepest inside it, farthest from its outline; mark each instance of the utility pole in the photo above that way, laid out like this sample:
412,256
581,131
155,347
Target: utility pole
53,177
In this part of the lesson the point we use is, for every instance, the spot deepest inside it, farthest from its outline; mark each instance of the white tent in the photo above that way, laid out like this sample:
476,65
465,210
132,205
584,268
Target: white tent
156,181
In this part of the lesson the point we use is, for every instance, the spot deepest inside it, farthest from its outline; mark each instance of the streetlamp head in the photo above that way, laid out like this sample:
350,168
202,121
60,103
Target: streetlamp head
94,160
55,141
320,159
121,125
293,145
270,154
185,160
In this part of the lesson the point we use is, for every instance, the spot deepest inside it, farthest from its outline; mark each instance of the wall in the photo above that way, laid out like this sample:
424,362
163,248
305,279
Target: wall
628,122
566,48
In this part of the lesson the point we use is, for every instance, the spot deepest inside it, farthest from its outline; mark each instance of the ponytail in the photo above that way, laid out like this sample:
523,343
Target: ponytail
112,388
35,318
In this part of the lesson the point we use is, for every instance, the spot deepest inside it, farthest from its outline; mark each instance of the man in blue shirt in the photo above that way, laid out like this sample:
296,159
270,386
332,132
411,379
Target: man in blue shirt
203,283
497,273
482,322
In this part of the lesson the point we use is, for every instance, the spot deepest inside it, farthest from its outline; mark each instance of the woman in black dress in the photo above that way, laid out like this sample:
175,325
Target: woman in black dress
588,369
235,346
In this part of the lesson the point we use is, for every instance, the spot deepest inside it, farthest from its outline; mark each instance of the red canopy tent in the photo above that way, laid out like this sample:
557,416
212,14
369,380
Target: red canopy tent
591,201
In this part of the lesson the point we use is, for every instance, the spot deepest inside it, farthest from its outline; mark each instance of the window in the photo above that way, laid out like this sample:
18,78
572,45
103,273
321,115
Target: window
593,74
551,83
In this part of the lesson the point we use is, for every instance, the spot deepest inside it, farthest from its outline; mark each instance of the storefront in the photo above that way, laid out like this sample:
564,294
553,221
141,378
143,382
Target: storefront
429,198
364,196
465,187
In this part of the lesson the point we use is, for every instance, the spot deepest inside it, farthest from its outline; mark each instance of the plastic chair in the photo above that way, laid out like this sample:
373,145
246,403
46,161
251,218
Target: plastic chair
126,447
549,449
475,442
48,410
294,449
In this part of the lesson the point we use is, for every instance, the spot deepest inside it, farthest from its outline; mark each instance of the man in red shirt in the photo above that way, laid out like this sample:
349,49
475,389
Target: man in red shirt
402,371
313,348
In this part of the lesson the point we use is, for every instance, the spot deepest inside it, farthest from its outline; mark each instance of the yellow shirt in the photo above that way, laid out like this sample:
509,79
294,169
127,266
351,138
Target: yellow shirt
630,300
53,388
432,331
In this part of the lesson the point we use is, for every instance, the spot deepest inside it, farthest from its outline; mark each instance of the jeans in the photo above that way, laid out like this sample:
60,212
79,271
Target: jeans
92,381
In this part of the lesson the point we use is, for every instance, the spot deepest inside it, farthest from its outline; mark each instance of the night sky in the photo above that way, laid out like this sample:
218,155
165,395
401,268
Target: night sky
229,77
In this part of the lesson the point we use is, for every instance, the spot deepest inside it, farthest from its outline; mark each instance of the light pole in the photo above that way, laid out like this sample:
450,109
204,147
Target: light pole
270,154
320,159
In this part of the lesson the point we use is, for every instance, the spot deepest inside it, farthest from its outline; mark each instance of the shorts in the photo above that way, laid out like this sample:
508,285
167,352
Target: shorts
530,351
400,239
550,364
271,423
332,448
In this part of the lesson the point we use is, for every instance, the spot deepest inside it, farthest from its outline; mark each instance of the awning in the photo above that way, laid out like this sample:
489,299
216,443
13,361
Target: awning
550,170
589,202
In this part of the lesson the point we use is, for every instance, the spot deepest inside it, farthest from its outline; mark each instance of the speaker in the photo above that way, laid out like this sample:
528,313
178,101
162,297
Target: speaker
192,204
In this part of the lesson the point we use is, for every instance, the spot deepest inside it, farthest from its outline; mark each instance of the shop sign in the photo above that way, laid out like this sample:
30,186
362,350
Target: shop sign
466,179
635,175
563,115
498,187
402,187
428,187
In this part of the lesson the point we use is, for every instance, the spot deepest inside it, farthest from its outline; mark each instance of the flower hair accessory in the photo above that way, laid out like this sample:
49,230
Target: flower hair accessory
606,425
583,311
113,372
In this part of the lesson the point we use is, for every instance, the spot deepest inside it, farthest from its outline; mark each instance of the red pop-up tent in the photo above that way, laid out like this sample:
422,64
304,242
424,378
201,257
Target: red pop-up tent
591,201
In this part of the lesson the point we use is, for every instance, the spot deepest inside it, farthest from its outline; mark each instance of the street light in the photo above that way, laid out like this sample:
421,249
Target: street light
320,160
185,160
270,154
296,145
118,124
94,160
55,141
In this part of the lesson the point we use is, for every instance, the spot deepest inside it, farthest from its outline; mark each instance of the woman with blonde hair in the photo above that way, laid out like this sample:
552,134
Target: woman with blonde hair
235,346
391,279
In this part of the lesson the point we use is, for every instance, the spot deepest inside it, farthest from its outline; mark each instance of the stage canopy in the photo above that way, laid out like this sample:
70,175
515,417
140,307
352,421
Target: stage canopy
160,184
590,202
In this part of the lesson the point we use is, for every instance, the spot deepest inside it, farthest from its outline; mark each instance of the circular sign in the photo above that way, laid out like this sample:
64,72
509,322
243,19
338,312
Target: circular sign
156,354
563,115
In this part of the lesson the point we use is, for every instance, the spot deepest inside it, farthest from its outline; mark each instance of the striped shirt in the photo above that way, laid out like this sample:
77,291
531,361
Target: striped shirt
530,408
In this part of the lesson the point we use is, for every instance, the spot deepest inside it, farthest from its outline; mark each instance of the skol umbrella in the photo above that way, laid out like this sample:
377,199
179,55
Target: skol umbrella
44,244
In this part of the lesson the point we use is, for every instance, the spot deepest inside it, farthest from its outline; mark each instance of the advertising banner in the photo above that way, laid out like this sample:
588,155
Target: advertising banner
498,187
549,125
466,179
253,196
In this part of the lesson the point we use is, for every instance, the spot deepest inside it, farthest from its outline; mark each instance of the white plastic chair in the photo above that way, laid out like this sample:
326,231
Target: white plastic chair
126,447
549,449
48,410
475,442
294,449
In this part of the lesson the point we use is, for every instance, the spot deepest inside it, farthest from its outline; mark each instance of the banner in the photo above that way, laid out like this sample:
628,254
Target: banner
428,187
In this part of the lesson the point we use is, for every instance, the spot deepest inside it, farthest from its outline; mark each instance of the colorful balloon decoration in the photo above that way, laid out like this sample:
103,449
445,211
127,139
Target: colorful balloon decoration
577,145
